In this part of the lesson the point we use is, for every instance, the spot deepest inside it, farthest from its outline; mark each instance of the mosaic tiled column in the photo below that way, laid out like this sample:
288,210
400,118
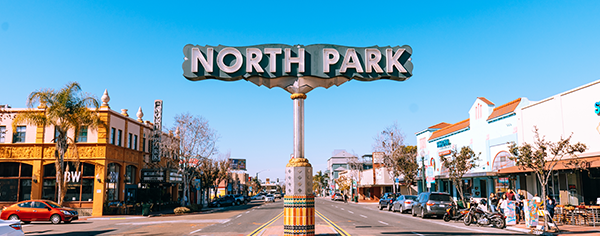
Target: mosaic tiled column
299,202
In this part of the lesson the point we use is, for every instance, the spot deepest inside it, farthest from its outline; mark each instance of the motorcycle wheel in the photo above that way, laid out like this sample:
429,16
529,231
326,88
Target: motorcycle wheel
467,220
499,223
446,217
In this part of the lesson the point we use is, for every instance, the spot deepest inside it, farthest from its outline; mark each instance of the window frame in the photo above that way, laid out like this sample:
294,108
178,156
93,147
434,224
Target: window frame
112,135
2,134
130,140
135,142
17,134
80,137
119,138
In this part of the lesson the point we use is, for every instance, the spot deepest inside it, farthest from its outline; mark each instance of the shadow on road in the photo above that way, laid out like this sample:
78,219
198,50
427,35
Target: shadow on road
413,233
77,233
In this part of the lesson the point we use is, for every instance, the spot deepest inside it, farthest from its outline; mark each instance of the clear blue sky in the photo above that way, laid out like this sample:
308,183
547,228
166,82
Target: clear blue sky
500,50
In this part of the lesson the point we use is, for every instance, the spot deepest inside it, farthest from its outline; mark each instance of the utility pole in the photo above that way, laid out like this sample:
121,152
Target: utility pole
423,177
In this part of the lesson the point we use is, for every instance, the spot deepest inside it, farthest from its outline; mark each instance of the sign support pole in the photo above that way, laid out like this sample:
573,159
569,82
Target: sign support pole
299,201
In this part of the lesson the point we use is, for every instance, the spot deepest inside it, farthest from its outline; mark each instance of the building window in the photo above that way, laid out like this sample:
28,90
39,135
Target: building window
15,181
143,144
83,133
119,137
135,142
80,182
129,141
130,174
112,136
112,182
2,134
19,136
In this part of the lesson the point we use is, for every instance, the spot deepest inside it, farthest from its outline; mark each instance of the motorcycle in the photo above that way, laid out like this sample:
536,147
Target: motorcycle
483,218
453,213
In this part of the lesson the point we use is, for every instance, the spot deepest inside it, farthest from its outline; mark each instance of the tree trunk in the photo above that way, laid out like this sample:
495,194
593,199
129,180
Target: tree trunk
61,148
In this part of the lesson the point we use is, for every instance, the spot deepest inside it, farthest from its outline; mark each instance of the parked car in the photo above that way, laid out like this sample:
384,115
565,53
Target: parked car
259,196
337,197
431,203
277,195
226,200
39,210
11,228
269,198
386,201
404,203
239,199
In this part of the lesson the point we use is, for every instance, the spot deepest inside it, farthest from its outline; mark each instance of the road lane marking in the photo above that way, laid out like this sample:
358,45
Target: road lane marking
418,234
363,216
207,221
238,216
259,229
342,209
351,212
333,225
383,223
196,231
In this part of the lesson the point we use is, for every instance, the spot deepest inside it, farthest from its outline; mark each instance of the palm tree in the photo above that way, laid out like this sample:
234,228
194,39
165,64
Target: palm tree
321,180
65,109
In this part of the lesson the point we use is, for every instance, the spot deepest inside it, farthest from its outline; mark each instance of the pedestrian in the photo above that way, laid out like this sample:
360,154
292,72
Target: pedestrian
510,195
493,202
345,198
503,203
550,204
519,205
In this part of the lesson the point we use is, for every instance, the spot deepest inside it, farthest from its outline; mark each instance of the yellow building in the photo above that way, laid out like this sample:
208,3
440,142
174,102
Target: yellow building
113,165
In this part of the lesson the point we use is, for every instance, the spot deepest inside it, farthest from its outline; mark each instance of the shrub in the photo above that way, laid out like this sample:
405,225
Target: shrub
181,210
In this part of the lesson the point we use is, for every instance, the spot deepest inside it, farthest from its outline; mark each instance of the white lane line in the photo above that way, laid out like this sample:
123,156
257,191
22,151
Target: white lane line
363,216
195,231
418,234
238,216
208,221
351,212
383,223
247,212
342,209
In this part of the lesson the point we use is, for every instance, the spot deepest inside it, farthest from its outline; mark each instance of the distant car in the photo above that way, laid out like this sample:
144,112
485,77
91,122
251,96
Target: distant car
431,203
226,200
386,201
39,210
337,197
404,203
11,228
258,197
269,198
277,195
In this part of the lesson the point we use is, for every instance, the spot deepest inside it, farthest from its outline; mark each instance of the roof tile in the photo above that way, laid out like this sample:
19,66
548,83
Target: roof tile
505,109
486,101
450,129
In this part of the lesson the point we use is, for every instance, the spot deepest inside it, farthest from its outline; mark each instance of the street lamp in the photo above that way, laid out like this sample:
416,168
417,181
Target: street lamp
259,172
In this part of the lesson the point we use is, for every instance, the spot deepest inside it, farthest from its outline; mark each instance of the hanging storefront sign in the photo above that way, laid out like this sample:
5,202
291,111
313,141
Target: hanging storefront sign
174,176
157,132
281,60
151,175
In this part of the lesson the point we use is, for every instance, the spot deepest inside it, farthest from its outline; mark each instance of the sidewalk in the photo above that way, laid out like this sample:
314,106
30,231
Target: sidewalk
571,230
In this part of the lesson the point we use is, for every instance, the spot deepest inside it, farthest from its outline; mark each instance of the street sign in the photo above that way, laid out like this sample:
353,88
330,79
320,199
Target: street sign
430,177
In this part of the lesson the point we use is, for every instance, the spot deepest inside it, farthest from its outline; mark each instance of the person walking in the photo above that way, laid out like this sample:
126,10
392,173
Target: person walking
550,205
510,195
493,202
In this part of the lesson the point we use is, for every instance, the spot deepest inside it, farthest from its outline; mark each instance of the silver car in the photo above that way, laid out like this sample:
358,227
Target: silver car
404,203
11,228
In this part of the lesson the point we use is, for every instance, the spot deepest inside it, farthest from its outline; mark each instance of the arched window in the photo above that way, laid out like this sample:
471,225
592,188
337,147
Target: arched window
502,161
79,179
15,181
112,182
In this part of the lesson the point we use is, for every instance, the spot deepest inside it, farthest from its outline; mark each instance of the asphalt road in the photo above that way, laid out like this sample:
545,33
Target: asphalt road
258,218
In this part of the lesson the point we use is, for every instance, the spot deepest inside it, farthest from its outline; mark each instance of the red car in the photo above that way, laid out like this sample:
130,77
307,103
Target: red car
39,210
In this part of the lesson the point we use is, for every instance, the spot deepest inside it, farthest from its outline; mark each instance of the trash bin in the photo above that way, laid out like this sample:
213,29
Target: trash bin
145,209
355,198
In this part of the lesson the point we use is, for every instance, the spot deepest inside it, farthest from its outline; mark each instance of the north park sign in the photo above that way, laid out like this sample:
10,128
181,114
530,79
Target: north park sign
268,61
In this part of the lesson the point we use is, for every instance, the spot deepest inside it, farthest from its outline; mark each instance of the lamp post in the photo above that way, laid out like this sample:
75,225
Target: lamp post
317,65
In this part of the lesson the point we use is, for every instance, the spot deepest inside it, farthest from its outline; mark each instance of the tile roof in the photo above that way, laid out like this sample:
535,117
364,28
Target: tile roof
505,109
440,126
486,101
450,129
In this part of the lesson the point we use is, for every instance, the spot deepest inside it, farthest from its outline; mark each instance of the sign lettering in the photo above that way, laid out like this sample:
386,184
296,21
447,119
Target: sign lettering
597,108
280,60
72,176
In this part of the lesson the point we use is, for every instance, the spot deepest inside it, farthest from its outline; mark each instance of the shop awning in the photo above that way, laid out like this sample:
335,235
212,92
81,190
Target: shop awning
592,158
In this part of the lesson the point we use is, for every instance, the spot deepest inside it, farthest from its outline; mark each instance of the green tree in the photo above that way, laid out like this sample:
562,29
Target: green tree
343,183
458,164
542,157
66,109
320,181
390,142
406,164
